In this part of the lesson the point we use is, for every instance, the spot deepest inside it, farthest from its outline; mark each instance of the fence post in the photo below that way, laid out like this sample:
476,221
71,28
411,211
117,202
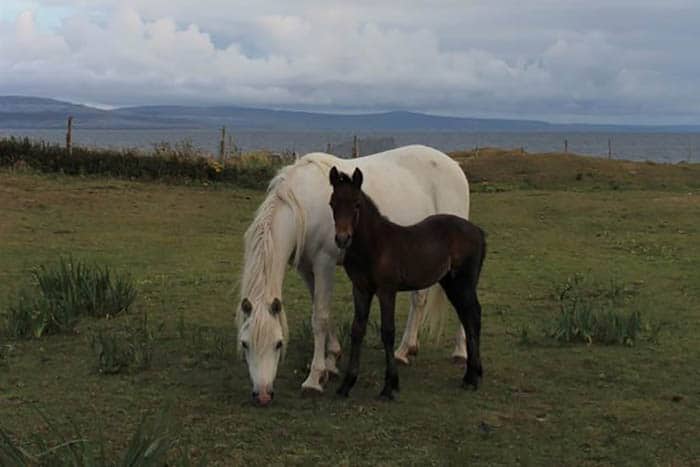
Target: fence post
690,150
328,148
609,149
566,145
222,144
355,148
69,136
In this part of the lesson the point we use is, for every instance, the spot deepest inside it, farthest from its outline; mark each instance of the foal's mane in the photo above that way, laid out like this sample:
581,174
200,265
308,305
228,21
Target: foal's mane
368,201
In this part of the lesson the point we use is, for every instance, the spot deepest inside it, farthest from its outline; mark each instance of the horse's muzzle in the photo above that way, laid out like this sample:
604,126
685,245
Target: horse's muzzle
263,399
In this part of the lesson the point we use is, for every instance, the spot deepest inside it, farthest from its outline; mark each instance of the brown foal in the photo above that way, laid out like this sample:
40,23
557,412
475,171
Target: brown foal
383,258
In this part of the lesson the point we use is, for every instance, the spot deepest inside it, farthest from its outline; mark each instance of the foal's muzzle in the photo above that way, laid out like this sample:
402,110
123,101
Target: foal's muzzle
343,240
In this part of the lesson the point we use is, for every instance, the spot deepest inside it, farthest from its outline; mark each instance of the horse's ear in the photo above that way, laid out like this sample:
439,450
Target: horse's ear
357,178
246,307
334,176
276,306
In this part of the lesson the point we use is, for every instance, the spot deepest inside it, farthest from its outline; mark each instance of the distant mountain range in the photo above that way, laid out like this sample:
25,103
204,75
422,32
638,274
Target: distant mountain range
19,112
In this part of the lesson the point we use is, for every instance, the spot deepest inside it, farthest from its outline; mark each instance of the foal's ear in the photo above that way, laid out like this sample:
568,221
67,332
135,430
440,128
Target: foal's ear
334,176
357,178
246,307
276,306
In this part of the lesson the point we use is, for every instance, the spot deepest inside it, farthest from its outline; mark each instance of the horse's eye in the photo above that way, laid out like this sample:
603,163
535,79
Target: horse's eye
278,345
357,205
244,344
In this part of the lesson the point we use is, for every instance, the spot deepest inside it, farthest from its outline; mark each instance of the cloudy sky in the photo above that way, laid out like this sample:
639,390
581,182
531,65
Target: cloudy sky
591,61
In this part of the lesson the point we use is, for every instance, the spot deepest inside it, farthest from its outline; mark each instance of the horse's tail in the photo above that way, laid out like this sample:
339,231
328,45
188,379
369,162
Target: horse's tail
451,196
436,310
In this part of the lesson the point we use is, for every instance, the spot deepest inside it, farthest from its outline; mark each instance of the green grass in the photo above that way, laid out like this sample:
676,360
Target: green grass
551,404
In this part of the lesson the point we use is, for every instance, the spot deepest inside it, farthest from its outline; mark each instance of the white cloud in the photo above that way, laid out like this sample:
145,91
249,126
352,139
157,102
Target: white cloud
551,60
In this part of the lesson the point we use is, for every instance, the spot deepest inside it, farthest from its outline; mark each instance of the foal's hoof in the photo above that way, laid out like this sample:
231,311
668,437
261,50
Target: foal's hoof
474,386
385,395
413,350
343,392
471,381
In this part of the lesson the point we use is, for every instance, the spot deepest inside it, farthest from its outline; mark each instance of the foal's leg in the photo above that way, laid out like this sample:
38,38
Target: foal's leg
472,310
462,295
362,301
387,301
409,342
320,283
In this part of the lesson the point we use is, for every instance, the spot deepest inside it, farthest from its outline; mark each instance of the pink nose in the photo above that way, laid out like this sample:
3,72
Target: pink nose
263,399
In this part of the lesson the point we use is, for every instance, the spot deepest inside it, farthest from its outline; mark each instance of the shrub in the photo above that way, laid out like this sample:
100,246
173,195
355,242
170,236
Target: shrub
64,292
179,162
592,313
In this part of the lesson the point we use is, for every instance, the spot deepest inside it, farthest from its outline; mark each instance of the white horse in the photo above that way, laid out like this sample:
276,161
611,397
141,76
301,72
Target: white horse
295,224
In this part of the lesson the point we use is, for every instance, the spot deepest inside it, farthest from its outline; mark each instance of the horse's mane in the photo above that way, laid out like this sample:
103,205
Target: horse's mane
260,281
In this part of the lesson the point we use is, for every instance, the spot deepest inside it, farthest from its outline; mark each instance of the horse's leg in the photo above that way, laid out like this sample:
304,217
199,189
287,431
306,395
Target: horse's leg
409,342
362,301
387,300
459,355
333,350
462,295
321,292
324,271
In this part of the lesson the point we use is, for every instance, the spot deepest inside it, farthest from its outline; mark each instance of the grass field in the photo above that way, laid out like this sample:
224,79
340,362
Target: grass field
541,403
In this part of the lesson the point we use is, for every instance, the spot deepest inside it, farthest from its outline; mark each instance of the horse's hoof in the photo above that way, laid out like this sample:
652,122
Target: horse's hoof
343,392
331,370
386,396
308,389
311,391
459,361
402,360
413,350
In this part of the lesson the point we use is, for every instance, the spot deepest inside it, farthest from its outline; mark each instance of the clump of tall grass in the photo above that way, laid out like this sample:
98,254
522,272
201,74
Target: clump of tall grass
65,291
130,348
152,444
595,313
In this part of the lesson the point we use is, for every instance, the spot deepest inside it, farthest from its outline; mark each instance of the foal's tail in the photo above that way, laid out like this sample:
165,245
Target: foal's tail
482,257
438,306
